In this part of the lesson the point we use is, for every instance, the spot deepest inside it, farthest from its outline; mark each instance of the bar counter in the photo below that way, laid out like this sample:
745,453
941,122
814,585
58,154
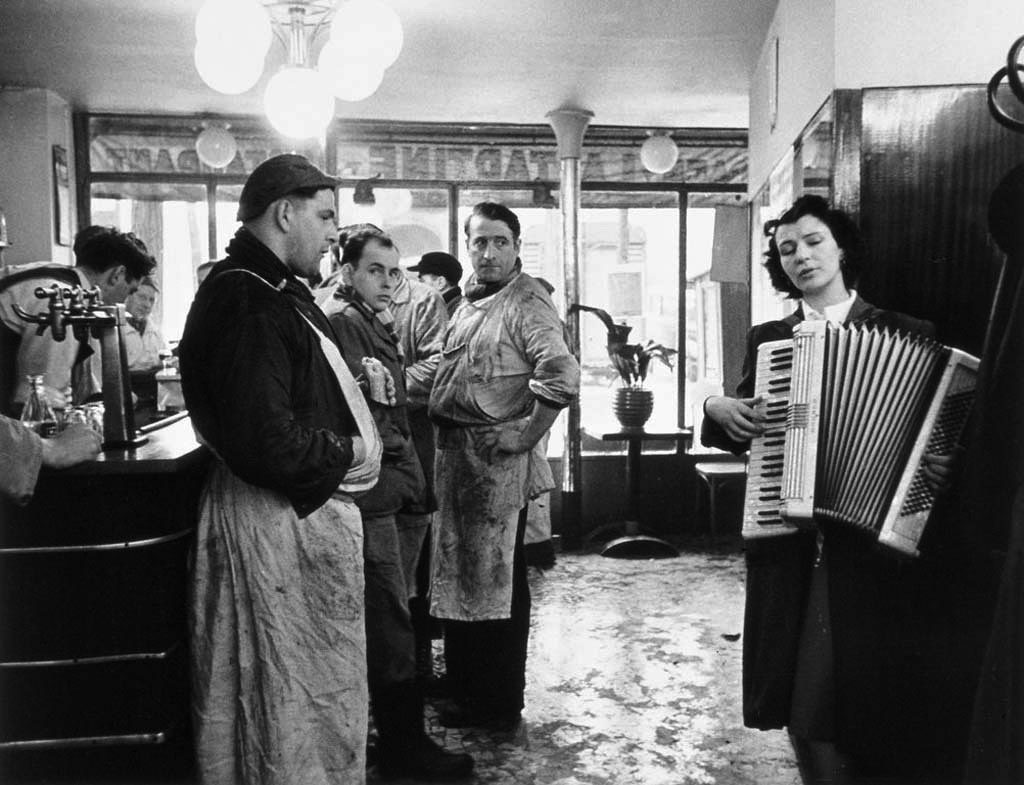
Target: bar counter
93,588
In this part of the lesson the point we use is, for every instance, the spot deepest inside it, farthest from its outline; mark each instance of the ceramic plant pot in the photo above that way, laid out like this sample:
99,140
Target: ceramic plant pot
633,406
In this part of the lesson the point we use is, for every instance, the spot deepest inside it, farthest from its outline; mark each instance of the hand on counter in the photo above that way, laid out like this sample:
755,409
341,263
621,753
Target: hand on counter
75,444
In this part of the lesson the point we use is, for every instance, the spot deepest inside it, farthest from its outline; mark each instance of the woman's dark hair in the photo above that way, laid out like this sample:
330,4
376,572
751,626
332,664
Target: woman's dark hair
353,239
844,231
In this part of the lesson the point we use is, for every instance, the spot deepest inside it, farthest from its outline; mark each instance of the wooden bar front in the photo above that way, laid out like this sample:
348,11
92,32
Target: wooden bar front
93,586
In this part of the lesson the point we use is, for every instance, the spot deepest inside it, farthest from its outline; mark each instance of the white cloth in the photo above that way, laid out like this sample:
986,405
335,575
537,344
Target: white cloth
277,639
832,313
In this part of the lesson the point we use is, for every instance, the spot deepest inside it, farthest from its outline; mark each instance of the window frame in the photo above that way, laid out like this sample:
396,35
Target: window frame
350,131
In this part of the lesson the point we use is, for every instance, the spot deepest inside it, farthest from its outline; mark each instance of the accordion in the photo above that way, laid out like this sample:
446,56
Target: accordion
850,411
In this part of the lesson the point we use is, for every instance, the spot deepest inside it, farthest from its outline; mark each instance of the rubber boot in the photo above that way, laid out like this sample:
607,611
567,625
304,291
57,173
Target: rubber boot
403,747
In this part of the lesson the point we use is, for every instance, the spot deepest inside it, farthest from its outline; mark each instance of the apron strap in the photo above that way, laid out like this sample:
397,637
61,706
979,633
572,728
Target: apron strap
363,475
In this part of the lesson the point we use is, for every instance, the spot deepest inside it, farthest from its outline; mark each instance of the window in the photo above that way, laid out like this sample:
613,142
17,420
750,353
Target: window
172,220
647,240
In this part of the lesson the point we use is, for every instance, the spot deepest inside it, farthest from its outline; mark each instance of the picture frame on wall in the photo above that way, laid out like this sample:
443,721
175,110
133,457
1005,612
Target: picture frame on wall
61,196
773,83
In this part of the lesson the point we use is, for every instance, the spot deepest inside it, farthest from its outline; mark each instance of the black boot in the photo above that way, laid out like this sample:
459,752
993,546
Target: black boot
403,747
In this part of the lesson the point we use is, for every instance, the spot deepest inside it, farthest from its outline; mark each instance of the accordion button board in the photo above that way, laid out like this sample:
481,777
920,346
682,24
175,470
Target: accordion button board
851,411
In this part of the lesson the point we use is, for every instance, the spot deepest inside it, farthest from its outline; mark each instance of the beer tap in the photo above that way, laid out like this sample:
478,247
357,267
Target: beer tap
83,311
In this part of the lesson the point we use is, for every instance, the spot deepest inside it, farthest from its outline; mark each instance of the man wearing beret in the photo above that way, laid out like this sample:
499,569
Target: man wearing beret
276,608
443,272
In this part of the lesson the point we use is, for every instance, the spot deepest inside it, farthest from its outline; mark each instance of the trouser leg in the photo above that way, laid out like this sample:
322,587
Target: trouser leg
485,661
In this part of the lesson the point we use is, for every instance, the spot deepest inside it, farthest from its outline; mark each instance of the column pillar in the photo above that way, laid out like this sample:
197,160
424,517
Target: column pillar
569,126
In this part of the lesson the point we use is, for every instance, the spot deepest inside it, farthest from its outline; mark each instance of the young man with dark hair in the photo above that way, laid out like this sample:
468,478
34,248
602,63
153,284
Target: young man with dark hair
370,275
106,258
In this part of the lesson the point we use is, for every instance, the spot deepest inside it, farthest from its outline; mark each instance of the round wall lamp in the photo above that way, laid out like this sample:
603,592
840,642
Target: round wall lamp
659,153
215,146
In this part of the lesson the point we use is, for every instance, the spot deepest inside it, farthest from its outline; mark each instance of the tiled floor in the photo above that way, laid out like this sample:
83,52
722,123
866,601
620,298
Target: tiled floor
634,679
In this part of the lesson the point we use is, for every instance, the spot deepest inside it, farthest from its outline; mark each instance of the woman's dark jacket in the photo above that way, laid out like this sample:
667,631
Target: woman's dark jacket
881,654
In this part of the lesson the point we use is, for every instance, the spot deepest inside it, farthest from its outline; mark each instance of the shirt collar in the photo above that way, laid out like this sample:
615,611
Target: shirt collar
832,313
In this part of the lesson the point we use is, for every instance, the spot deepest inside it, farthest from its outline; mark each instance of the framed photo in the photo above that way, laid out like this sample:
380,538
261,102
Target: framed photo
773,83
61,196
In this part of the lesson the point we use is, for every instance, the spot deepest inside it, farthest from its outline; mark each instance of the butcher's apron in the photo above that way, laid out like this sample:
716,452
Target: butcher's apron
278,635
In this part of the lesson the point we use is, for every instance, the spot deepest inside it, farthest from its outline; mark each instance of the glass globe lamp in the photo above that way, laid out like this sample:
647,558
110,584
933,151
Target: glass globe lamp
659,153
368,30
216,147
226,69
350,77
298,102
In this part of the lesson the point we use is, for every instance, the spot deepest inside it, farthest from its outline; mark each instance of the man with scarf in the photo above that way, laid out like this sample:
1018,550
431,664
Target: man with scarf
276,604
505,374
358,311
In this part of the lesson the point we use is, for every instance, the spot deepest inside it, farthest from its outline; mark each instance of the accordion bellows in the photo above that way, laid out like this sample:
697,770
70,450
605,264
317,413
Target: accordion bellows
851,410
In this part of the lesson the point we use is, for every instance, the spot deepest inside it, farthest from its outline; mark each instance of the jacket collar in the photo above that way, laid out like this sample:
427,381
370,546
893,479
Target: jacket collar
250,253
860,310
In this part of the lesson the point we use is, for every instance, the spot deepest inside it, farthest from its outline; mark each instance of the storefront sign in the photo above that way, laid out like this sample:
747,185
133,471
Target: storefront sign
448,162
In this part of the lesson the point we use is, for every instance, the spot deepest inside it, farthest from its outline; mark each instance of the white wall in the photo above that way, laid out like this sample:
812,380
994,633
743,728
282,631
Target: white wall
806,33
836,44
896,43
32,120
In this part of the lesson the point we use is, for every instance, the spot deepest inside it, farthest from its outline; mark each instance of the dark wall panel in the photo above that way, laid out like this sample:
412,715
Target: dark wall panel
931,157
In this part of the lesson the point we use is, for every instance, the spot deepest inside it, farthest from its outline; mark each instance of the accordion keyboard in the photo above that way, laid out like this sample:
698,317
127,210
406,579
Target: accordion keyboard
763,495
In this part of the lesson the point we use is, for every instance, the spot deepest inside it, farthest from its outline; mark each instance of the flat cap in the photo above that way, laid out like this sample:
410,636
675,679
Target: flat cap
439,263
276,177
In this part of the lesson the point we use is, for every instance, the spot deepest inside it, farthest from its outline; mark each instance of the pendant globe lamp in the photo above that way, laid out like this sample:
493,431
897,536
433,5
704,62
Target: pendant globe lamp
233,38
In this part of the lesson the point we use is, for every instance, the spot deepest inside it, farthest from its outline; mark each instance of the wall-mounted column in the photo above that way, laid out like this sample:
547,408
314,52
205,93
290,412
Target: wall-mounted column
569,126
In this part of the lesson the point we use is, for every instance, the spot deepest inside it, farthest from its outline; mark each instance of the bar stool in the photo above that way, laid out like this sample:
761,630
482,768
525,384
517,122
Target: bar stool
714,475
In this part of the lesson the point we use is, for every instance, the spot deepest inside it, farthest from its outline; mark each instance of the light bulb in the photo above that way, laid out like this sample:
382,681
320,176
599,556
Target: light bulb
228,69
240,24
216,147
298,102
351,79
368,30
659,153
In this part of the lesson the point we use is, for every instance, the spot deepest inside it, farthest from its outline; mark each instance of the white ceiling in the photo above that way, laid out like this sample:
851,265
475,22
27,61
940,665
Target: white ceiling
644,63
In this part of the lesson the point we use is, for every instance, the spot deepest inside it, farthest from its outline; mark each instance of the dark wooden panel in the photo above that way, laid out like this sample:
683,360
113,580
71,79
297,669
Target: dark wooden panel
931,157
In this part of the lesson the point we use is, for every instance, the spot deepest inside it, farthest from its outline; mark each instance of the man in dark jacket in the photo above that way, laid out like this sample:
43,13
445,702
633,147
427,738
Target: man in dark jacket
277,627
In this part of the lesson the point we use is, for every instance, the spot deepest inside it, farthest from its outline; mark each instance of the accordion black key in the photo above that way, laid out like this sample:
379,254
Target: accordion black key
851,411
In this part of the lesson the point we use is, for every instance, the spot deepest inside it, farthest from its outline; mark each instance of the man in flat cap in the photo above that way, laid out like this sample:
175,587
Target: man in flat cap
276,609
443,272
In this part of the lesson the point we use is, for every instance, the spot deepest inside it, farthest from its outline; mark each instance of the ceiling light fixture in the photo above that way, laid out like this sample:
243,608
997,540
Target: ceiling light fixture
659,153
233,38
216,146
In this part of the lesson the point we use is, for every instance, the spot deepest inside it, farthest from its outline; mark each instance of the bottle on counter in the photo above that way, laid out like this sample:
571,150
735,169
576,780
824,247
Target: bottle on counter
38,414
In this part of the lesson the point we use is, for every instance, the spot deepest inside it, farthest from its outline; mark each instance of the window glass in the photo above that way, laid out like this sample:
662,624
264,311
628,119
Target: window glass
226,220
171,219
416,218
717,293
630,269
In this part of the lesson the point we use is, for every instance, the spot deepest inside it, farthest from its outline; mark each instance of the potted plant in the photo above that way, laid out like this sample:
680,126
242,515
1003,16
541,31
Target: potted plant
633,402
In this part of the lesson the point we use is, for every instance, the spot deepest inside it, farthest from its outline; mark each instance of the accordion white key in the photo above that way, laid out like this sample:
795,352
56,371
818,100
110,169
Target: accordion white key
850,413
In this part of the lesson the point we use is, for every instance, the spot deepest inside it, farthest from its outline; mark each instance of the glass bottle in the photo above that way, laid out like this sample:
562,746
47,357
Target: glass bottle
38,414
